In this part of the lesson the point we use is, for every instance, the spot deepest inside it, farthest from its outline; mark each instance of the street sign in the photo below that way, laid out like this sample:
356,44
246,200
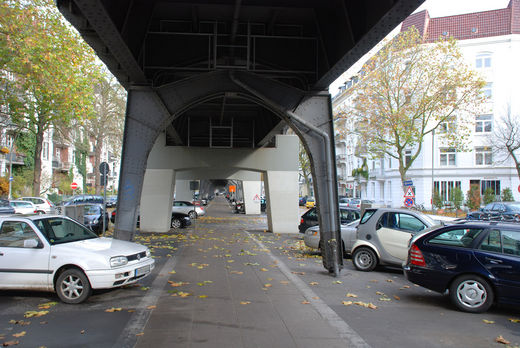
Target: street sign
232,188
256,198
408,202
409,192
73,185
408,183
11,179
104,168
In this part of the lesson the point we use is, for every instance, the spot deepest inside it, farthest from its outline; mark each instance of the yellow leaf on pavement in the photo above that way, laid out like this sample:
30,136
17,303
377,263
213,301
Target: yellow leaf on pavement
351,295
36,314
305,302
20,334
502,340
245,302
514,320
488,321
151,307
397,297
313,283
347,303
264,269
10,343
113,309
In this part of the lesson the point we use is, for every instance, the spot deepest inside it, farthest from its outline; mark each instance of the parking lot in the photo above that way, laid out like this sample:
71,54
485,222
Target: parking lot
225,281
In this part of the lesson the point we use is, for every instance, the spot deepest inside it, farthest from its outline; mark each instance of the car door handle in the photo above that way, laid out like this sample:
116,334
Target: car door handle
494,261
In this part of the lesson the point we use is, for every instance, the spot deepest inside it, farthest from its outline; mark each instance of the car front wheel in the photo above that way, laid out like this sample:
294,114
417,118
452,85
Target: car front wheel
471,293
364,259
192,214
72,286
176,223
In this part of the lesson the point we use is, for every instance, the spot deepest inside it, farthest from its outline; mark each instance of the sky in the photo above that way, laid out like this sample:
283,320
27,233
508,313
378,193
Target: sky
436,8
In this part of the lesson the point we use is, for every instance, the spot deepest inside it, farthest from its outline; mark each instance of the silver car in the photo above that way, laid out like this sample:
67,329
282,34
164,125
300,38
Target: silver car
23,207
189,208
383,235
348,236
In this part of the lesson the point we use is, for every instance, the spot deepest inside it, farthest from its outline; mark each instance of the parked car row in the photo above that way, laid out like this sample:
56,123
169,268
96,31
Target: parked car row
497,211
476,262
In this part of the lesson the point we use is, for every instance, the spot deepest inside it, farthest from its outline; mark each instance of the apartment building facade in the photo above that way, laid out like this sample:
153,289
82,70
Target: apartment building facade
490,43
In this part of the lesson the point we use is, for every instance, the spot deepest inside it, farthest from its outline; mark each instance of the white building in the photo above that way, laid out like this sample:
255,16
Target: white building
490,42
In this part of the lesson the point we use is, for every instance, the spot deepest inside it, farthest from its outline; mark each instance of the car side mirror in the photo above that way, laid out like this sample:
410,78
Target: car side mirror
379,226
31,243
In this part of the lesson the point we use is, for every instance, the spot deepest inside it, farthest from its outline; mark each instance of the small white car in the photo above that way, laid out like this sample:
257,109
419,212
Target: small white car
55,253
23,207
189,208
44,206
348,236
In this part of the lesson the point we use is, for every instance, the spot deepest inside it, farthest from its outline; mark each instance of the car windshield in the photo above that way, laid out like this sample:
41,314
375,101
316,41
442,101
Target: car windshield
92,210
59,230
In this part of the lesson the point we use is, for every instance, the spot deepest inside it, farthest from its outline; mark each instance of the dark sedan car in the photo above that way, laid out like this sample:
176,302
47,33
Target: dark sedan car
477,262
93,218
5,207
310,218
497,211
179,220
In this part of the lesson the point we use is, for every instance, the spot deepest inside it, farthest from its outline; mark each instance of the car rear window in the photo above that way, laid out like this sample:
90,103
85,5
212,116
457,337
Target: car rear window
367,215
461,237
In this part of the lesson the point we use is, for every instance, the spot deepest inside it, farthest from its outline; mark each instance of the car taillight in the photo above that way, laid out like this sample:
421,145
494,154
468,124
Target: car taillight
301,221
114,213
35,211
416,256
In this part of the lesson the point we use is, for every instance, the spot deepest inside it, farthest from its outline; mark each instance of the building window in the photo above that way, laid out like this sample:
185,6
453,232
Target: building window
407,157
390,162
493,184
483,60
45,150
445,188
447,126
483,156
448,156
484,123
487,91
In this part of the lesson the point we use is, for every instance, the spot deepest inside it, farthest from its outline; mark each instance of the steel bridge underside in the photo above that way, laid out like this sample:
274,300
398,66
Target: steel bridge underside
232,74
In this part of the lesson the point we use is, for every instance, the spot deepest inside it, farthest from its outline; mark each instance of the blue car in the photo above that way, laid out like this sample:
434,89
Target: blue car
478,263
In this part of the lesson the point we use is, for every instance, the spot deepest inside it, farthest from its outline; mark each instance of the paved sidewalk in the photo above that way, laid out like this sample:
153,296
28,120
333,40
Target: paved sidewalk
223,288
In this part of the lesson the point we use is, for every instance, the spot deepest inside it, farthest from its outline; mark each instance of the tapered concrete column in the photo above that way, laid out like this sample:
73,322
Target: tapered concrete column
282,192
182,191
252,193
157,200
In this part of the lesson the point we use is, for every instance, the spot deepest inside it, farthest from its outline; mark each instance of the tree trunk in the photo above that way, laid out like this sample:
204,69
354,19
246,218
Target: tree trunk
38,163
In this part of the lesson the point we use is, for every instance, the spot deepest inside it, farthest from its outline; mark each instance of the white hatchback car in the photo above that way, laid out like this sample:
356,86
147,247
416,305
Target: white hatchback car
24,207
44,206
55,253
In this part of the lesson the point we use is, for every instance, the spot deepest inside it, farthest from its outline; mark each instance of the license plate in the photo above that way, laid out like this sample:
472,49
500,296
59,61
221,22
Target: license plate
142,270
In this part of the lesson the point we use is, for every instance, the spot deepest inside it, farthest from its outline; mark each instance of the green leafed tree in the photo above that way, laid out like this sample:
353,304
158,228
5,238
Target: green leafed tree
305,168
48,71
409,89
106,126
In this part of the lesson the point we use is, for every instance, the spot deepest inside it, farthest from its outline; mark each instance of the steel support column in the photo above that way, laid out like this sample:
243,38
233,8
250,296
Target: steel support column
144,119
312,121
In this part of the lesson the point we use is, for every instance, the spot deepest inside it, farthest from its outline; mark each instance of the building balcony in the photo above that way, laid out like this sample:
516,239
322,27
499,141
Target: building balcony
62,166
16,159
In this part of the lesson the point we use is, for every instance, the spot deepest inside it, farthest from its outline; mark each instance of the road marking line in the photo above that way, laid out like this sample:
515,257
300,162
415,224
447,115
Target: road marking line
344,330
139,319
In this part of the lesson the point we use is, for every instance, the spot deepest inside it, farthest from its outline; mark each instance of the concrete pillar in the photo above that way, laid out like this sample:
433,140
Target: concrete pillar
157,200
252,194
182,191
282,211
